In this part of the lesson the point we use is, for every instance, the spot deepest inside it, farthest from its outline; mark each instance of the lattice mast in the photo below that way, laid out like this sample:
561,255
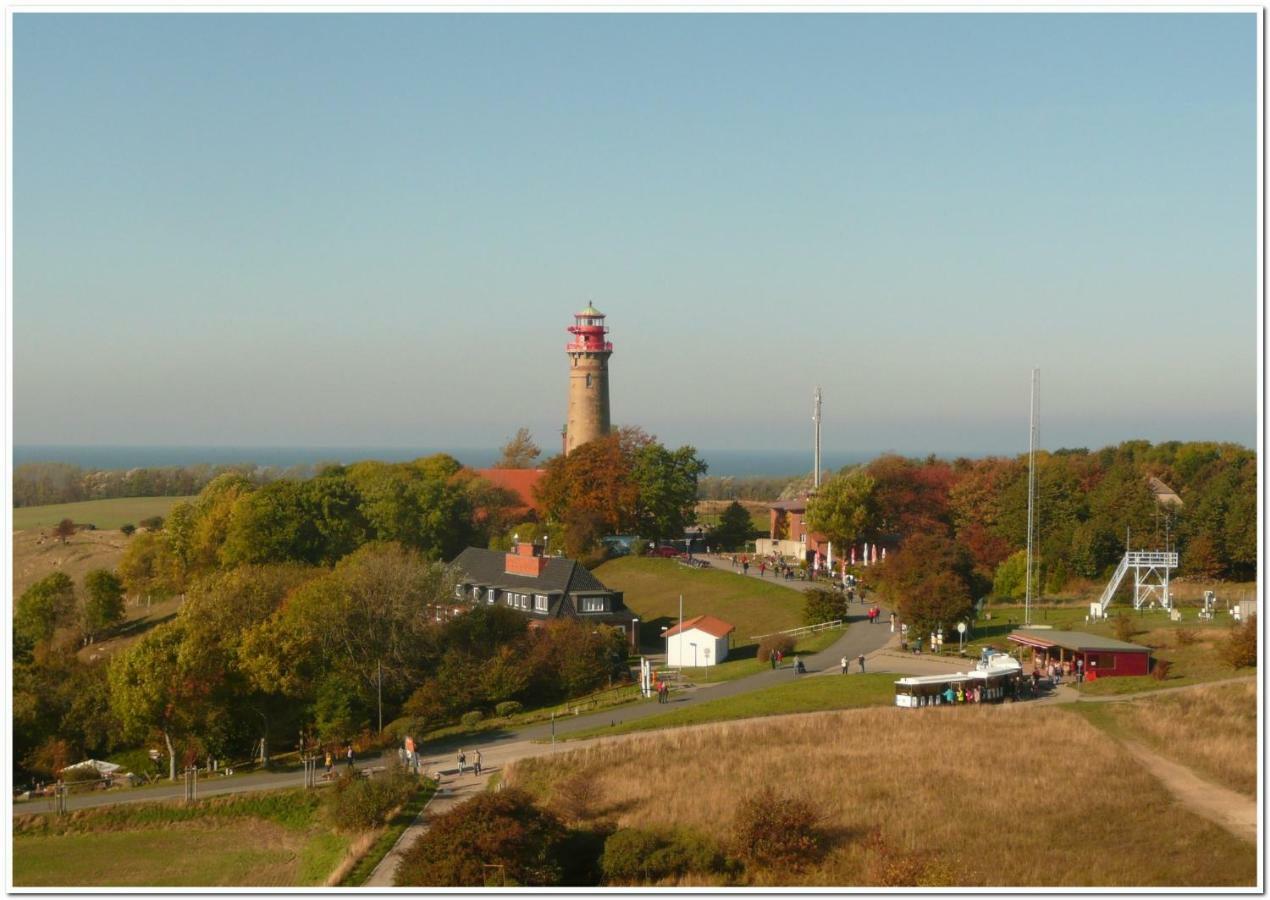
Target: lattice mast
1031,496
815,418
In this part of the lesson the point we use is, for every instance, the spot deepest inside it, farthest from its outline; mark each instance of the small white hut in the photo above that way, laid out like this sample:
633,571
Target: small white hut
700,641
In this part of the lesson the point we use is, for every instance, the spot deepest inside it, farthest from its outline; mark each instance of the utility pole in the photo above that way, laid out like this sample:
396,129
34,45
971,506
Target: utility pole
681,633
815,418
1031,499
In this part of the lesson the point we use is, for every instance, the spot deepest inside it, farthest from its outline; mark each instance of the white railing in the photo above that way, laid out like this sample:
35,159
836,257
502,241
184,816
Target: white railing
1110,590
1150,558
799,632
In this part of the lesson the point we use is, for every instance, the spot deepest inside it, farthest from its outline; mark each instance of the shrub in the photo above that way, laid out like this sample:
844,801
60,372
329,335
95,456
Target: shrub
1160,669
1186,636
575,796
1240,648
822,605
504,829
508,708
782,642
475,717
128,529
777,831
357,803
138,762
1124,628
637,856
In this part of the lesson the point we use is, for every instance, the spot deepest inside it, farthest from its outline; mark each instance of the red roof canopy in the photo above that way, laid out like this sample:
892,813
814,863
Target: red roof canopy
709,624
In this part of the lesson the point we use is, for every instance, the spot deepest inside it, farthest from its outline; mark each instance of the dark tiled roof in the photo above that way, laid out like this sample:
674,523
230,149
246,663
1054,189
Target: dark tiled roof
481,566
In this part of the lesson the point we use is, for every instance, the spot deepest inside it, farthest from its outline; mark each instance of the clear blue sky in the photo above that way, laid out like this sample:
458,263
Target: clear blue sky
373,229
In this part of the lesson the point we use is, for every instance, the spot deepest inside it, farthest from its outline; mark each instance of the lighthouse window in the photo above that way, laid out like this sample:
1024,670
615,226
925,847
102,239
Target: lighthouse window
588,380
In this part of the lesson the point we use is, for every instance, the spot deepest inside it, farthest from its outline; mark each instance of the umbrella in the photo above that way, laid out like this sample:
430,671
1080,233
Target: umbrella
866,554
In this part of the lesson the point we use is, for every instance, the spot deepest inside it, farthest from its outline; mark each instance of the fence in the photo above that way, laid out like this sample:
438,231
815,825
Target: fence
799,632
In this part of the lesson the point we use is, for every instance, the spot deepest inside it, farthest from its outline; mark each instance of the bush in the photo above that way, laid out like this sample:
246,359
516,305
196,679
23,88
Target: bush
822,605
1186,636
357,803
782,642
1160,669
138,762
503,829
1239,650
508,708
473,718
636,856
777,831
128,529
1124,628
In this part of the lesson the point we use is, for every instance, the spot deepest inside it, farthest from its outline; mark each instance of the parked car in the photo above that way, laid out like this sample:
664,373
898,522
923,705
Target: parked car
664,552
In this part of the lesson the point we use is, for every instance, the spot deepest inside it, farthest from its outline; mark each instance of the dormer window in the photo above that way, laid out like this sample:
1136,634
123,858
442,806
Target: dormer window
594,604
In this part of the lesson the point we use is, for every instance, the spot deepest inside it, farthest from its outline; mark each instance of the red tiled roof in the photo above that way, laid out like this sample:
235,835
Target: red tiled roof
709,624
519,481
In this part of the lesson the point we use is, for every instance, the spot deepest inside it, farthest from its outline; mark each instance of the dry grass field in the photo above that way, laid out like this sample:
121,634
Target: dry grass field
1212,729
984,796
35,557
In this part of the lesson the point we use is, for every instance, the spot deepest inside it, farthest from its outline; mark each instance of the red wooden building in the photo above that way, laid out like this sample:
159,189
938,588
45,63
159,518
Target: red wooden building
1102,655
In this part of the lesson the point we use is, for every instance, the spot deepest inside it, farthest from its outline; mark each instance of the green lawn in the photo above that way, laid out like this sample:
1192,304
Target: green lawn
108,514
652,588
745,663
605,699
807,694
254,840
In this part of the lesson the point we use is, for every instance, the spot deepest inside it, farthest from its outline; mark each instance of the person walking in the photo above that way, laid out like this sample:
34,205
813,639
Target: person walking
462,762
846,663
348,755
745,566
771,655
892,623
762,570
780,658
330,762
476,763
861,662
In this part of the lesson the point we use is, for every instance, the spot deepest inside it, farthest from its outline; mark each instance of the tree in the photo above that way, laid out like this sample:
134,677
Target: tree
520,452
64,529
733,529
43,608
666,485
128,529
1011,576
929,580
152,523
162,685
148,567
103,601
1240,647
843,509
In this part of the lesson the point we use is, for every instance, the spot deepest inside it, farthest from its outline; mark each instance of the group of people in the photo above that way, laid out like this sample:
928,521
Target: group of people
476,762
663,691
1056,671
348,754
846,664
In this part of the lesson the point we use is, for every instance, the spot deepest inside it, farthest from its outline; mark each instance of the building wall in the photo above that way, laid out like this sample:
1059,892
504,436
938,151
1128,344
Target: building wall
588,399
682,643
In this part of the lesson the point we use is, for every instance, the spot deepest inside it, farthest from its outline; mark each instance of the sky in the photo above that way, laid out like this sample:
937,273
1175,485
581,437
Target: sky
345,230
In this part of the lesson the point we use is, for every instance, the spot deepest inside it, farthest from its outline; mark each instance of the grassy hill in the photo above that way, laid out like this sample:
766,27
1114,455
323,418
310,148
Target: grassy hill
933,797
34,556
109,514
652,588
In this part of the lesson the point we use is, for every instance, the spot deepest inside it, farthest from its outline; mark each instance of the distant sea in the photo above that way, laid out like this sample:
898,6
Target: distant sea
721,462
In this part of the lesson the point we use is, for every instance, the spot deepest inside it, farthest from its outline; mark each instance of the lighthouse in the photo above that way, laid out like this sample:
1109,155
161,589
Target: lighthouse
589,354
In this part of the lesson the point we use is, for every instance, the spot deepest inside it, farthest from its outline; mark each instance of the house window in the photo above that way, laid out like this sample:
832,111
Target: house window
540,602
1103,662
493,595
593,604
458,592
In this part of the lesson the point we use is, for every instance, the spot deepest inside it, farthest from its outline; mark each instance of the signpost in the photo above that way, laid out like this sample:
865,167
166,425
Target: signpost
961,638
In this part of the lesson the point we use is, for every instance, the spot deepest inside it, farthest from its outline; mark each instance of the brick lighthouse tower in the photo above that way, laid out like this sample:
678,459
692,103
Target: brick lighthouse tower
588,379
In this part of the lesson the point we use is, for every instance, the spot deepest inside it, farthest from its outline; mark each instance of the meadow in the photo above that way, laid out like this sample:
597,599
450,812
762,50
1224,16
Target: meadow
975,796
652,588
105,514
260,840
1212,729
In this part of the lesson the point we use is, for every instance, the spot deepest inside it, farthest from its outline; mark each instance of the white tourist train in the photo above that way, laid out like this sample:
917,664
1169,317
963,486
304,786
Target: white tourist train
994,678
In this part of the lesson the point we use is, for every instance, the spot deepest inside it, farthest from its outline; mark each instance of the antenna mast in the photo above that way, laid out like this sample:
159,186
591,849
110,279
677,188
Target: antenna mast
1031,498
815,417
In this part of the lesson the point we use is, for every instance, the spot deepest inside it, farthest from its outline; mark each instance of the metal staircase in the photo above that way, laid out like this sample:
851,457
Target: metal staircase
1150,580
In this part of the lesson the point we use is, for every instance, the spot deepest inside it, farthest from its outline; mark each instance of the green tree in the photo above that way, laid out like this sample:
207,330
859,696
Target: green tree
44,607
103,601
128,529
666,486
733,529
843,509
519,452
148,568
1010,579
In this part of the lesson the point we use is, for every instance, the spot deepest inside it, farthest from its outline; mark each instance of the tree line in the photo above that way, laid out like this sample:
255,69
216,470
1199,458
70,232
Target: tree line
43,483
957,530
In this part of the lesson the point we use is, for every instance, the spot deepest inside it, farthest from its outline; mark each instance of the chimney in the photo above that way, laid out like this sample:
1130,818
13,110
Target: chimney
526,559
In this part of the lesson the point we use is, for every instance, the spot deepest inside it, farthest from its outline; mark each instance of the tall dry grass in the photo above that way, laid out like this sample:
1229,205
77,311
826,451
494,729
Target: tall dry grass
1211,729
975,795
